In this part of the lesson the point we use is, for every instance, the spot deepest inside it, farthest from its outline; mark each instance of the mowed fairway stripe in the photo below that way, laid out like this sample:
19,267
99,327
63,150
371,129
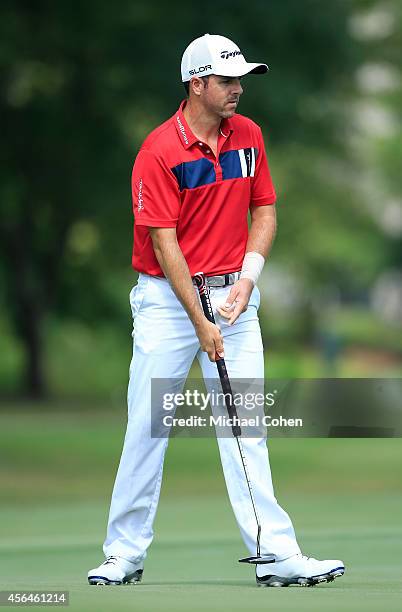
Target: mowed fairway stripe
50,542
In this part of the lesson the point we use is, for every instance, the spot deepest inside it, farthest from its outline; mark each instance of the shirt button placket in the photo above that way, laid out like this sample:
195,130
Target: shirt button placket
218,170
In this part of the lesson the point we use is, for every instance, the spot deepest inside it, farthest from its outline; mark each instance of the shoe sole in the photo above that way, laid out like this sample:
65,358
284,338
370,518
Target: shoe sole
103,581
280,581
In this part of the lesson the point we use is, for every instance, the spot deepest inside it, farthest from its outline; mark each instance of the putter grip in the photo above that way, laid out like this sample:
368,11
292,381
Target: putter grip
220,364
227,390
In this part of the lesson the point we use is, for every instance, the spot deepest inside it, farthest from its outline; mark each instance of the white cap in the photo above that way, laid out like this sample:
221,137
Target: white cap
214,54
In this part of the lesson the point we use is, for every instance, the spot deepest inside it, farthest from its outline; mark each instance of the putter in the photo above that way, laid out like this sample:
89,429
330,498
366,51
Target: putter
203,291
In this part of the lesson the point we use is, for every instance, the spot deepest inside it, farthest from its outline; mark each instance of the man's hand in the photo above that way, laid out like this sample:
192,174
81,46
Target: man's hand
210,338
237,301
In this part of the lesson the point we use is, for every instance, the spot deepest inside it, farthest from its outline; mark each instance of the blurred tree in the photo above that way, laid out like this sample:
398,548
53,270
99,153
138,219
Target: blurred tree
82,84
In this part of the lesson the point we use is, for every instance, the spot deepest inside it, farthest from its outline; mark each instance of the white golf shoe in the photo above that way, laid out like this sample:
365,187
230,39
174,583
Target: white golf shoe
299,570
116,570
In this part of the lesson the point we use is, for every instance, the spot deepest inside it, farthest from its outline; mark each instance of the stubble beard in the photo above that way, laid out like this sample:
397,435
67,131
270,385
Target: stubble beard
226,114
222,111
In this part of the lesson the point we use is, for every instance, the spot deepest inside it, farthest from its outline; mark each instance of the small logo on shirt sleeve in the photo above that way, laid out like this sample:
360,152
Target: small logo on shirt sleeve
140,201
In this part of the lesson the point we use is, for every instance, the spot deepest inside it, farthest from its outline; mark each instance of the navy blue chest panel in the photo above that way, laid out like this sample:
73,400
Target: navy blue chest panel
238,163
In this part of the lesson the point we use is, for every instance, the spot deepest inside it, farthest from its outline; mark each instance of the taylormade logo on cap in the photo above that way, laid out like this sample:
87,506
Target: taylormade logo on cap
214,54
227,54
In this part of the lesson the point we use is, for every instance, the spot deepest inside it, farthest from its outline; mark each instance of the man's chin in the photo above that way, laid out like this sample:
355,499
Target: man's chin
227,114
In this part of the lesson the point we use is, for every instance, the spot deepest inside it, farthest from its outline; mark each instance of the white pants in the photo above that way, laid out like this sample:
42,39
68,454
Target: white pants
165,345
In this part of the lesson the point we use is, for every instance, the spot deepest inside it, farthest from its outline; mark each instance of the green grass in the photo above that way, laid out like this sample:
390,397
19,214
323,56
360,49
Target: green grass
56,474
192,564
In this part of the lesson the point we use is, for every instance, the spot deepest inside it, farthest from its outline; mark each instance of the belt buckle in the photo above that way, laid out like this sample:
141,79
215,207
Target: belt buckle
222,280
219,278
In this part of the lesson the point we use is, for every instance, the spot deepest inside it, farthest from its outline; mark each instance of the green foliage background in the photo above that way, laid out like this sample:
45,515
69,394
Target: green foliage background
82,85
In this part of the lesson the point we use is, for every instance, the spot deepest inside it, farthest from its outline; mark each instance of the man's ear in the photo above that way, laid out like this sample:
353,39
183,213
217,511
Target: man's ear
196,85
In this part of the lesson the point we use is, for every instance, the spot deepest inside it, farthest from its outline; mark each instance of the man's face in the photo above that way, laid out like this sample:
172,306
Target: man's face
221,95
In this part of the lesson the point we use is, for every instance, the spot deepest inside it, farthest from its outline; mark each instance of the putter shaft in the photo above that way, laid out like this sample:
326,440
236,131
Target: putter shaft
203,291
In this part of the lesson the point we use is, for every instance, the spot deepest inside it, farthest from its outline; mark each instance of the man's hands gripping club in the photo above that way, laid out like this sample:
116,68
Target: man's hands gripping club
174,266
211,340
209,334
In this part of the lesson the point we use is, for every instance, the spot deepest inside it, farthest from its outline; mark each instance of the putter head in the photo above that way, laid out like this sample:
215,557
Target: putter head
260,560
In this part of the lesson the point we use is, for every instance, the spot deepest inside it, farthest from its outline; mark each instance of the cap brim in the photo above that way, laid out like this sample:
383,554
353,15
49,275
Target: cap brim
242,70
259,69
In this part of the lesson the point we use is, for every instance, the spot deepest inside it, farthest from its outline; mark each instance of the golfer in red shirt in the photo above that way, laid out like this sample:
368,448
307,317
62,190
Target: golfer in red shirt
196,180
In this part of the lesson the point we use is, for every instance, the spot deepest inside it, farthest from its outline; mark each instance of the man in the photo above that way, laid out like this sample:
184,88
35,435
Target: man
195,179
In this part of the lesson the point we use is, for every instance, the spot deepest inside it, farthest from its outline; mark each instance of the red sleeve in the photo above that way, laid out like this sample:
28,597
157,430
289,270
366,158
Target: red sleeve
156,196
262,188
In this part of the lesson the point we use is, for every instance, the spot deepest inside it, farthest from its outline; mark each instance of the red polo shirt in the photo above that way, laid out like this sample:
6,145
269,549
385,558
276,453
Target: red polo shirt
178,182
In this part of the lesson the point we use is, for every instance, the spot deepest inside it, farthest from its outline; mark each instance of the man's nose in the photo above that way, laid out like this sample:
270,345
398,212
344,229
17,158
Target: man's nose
238,89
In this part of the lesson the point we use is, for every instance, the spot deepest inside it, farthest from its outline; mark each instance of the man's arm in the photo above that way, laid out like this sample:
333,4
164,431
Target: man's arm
261,236
263,229
172,261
